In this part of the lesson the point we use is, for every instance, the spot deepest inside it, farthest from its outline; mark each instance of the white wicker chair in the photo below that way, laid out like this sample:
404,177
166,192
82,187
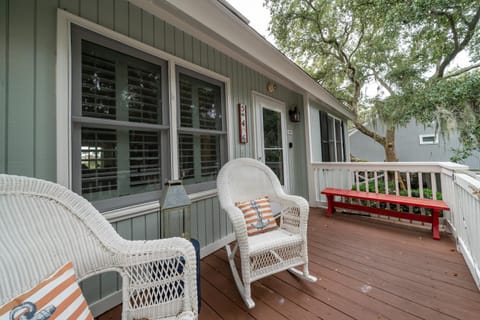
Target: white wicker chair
44,225
271,252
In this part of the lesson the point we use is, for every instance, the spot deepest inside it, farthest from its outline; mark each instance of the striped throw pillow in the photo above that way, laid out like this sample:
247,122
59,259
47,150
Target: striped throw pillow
57,297
258,215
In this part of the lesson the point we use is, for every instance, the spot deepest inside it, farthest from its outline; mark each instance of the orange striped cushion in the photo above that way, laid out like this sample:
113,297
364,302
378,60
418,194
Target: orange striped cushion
59,296
258,215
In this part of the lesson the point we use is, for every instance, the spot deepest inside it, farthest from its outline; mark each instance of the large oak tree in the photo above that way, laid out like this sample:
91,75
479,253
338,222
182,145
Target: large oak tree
404,48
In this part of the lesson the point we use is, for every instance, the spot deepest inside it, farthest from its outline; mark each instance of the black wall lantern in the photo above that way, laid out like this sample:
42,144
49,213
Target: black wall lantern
294,115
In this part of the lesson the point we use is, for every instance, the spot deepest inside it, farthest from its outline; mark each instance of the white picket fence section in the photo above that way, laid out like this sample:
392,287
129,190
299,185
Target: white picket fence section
459,187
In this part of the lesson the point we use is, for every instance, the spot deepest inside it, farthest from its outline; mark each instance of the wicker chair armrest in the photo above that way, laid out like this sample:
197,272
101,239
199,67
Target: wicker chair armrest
294,213
159,278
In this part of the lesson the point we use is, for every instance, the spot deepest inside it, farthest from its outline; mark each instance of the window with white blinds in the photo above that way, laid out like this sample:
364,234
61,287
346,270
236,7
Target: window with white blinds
201,133
120,136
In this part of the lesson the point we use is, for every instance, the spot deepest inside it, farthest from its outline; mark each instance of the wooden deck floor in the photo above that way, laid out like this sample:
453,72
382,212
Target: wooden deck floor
366,270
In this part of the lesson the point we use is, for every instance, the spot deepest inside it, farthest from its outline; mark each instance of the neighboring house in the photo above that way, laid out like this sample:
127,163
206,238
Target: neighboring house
112,98
415,142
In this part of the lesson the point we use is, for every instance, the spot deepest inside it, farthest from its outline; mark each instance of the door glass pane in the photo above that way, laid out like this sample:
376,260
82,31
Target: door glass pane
272,141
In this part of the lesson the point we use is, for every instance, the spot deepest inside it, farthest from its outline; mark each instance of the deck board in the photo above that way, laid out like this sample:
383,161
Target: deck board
366,270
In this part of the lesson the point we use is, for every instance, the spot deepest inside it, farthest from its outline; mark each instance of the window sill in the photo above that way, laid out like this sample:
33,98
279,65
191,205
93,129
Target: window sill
150,207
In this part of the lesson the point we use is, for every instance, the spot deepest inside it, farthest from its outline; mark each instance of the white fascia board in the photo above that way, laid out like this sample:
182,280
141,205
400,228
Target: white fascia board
211,22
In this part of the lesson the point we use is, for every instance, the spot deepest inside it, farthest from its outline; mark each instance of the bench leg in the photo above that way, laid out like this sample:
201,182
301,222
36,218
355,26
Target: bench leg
330,205
435,224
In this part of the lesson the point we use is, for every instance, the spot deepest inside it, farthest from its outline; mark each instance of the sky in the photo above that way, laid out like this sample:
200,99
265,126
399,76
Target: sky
258,15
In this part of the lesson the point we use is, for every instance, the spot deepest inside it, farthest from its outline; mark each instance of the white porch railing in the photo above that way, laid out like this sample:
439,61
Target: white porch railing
459,188
465,222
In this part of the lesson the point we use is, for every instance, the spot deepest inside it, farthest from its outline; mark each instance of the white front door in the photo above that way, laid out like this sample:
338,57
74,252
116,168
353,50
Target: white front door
270,136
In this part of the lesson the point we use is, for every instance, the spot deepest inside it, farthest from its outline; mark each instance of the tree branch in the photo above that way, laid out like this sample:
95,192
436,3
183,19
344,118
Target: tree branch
451,21
359,42
470,32
370,133
383,83
461,71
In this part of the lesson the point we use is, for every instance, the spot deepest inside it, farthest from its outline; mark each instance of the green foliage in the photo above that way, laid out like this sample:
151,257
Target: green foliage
427,193
404,47
453,103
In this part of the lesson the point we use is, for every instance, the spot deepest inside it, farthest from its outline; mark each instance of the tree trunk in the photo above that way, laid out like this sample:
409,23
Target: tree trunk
389,146
391,156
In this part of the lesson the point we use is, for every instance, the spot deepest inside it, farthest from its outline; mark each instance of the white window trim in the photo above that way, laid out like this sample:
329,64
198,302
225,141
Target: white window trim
64,91
422,136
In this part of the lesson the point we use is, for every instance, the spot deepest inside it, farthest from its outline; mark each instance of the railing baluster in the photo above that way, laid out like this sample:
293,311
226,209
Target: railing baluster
332,177
349,178
325,177
375,176
385,179
420,190
433,178
409,191
357,182
367,184
397,192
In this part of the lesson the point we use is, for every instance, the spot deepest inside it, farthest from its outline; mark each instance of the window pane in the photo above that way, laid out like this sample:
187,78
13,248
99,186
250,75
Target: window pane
99,162
144,95
428,139
145,160
272,129
274,160
272,136
98,83
200,152
186,103
210,156
200,104
206,148
324,136
120,87
186,156
119,162
117,87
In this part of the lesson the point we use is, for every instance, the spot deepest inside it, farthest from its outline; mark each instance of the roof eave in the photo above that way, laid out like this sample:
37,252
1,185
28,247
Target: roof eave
227,29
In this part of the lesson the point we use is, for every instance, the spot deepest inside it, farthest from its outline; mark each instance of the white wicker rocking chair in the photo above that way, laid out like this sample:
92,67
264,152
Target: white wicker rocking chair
44,225
266,253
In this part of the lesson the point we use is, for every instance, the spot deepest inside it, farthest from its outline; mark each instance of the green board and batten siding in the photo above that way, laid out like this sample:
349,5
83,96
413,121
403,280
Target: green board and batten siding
27,103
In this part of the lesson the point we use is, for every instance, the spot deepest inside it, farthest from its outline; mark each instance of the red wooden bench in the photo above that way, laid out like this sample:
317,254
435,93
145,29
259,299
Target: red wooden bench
435,205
